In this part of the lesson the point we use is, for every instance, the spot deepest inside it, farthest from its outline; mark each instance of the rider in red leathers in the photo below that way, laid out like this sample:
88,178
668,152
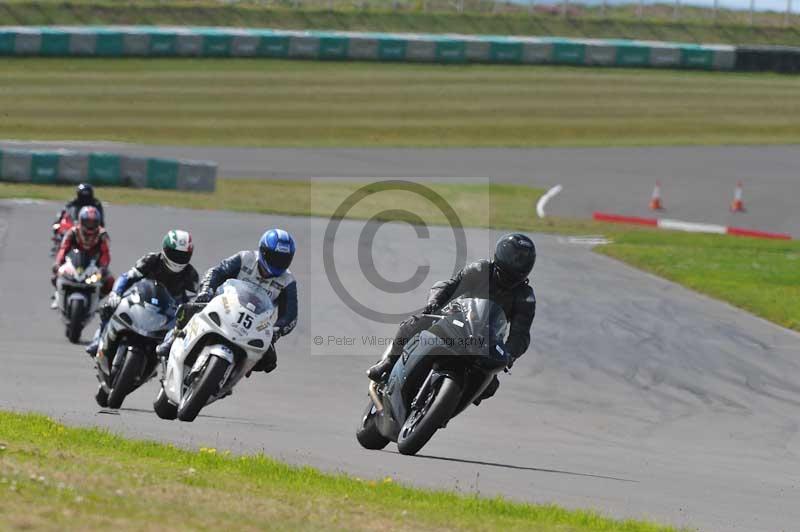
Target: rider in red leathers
89,236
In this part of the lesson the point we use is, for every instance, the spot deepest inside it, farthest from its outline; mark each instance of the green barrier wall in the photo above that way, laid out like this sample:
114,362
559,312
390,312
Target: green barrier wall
162,173
7,39
151,41
104,169
44,167
63,166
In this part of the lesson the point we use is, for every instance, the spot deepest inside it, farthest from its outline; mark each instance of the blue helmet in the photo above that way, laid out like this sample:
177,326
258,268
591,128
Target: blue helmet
275,252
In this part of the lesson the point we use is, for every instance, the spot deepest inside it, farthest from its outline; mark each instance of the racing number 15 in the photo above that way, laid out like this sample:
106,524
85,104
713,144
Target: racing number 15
246,320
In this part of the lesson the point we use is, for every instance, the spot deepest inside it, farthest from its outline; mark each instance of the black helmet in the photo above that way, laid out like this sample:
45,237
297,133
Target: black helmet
85,194
514,257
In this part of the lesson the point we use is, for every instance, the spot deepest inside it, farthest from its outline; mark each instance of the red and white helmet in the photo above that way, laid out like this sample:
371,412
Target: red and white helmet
88,227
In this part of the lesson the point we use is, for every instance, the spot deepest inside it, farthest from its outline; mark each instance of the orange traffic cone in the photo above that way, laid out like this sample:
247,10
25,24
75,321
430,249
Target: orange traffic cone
737,205
655,200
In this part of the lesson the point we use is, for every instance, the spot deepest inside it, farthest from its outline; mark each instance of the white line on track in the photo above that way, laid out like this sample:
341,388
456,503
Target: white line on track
550,194
691,227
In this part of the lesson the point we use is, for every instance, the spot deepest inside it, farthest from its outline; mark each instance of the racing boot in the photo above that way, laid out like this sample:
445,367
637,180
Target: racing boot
380,371
163,349
105,317
54,300
91,349
267,363
488,392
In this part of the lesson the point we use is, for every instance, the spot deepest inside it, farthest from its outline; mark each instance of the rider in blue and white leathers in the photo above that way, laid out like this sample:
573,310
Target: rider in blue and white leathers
268,267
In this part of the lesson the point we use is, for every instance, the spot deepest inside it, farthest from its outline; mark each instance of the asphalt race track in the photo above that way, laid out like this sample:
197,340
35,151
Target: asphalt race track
638,398
697,181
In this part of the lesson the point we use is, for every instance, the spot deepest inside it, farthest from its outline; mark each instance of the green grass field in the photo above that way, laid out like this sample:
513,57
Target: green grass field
762,277
695,25
296,103
57,478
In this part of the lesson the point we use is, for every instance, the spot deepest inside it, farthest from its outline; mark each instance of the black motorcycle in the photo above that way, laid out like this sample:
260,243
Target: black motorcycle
126,356
442,371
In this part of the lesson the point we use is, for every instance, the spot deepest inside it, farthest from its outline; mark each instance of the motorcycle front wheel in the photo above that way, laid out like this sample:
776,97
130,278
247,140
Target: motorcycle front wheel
75,314
424,420
125,380
202,388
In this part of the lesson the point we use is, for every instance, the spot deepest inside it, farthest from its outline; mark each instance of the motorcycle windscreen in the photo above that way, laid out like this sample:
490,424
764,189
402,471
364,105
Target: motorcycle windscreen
151,308
476,326
250,295
79,259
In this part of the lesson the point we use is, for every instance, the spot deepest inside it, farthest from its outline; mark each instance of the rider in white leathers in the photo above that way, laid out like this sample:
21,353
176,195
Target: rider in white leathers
268,267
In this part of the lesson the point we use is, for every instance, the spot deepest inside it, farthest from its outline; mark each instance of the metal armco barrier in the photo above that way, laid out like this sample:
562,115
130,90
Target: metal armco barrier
147,41
64,166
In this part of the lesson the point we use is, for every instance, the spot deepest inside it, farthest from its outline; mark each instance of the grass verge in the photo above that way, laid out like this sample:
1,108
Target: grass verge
248,102
59,478
762,277
696,24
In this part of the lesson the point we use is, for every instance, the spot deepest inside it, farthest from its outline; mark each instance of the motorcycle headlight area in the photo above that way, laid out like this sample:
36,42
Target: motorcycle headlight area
147,321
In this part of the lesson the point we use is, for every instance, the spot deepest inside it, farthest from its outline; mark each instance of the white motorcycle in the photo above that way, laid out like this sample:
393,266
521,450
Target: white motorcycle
220,345
78,285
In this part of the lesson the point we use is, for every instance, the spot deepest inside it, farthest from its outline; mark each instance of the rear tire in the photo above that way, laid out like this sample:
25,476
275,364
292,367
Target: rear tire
163,407
125,380
368,434
202,388
417,431
75,324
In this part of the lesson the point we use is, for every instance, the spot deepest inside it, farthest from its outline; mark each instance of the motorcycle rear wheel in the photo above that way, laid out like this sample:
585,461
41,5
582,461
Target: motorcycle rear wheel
125,379
202,388
423,422
75,325
367,434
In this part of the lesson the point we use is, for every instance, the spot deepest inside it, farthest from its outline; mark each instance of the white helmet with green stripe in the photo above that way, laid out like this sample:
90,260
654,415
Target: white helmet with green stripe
176,249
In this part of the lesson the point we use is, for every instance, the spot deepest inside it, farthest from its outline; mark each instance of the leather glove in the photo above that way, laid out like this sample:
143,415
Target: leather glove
182,315
113,300
203,297
185,312
430,308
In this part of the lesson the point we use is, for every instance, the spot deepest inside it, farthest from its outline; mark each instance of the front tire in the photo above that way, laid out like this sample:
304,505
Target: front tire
423,422
202,388
163,407
368,434
125,380
75,325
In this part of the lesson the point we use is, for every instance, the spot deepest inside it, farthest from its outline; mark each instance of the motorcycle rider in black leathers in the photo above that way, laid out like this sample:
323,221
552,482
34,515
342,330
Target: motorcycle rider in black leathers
503,280
268,267
84,197
170,267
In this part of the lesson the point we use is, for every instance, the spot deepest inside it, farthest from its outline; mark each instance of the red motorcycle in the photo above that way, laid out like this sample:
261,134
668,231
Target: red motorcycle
60,228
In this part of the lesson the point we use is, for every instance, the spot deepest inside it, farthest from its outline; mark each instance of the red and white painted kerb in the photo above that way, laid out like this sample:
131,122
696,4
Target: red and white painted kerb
691,227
